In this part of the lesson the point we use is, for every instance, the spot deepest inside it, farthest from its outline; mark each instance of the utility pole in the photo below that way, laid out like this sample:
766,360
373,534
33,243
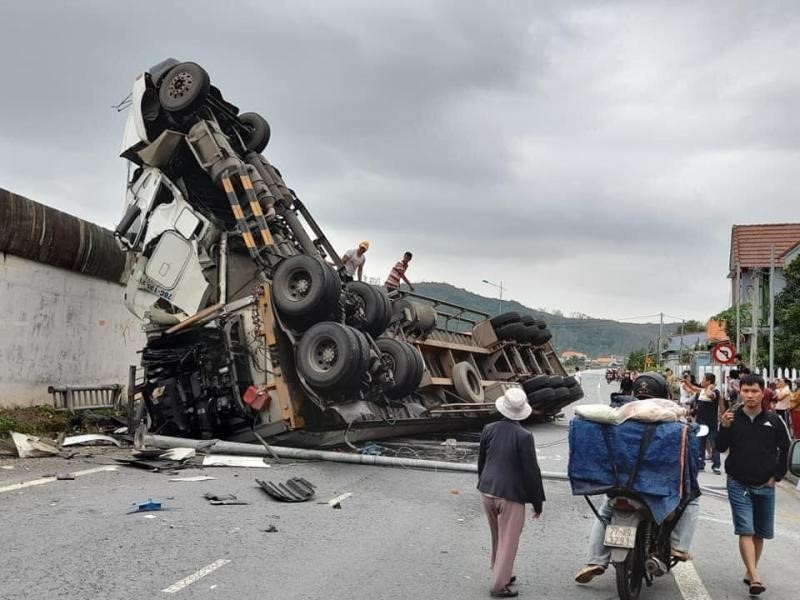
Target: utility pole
738,302
501,288
658,345
772,312
755,307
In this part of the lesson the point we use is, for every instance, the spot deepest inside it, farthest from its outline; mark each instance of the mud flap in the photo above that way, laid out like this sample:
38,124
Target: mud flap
619,554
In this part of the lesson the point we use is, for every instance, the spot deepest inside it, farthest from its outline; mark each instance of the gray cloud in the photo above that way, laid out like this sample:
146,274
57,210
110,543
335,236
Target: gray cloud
593,156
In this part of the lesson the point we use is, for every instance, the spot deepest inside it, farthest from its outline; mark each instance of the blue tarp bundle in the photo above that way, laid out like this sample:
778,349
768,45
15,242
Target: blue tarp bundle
603,459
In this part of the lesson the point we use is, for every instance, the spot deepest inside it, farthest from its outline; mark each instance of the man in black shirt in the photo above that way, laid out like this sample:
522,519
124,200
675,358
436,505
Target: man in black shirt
758,446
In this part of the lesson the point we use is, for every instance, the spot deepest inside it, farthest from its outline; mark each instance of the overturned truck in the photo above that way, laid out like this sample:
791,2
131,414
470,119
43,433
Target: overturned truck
253,326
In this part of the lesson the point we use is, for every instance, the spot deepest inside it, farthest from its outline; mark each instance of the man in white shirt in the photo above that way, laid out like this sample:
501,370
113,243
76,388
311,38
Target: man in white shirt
354,260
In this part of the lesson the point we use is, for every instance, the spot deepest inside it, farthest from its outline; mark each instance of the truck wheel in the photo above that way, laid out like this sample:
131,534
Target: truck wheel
467,382
258,133
556,381
505,319
570,381
374,306
325,355
547,335
184,88
400,358
304,286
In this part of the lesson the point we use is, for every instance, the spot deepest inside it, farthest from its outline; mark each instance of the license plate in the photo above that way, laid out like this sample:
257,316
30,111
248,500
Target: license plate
620,536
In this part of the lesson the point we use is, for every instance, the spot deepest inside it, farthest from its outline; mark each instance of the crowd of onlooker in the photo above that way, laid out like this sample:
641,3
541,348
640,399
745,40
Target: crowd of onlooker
708,399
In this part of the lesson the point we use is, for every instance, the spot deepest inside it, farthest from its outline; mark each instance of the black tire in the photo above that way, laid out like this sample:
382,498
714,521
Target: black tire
329,355
184,88
630,571
533,335
540,324
562,397
305,287
512,331
467,382
258,131
556,381
504,319
374,306
362,360
540,398
575,393
570,381
527,319
536,383
408,366
547,335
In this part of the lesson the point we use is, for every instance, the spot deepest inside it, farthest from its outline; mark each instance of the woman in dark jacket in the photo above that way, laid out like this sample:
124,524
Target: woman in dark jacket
508,478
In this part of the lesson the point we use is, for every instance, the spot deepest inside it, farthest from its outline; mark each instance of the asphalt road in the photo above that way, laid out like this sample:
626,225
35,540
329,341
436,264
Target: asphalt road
402,534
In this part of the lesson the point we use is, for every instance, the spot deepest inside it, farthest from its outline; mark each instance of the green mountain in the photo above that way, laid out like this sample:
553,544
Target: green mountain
594,337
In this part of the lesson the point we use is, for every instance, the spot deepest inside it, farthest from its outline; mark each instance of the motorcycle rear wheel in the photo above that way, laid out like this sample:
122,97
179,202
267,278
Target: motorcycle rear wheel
630,572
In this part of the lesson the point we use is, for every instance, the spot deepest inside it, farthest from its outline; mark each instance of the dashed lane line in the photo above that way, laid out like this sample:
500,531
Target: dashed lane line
689,583
196,576
43,480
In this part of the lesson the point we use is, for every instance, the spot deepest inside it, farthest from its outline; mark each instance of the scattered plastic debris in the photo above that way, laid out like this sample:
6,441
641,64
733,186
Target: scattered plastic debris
147,506
193,479
30,446
337,501
230,460
178,454
89,439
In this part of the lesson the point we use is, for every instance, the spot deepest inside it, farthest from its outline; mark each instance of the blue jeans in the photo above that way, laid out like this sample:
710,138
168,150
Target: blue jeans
680,538
752,508
716,461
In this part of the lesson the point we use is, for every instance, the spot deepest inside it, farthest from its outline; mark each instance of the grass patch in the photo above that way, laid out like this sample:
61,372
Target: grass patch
49,422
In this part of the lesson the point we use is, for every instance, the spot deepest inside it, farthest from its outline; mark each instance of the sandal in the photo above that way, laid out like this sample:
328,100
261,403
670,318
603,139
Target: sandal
589,572
756,588
504,593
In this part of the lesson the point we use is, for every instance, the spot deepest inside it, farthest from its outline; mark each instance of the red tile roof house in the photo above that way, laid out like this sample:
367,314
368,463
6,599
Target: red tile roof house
753,247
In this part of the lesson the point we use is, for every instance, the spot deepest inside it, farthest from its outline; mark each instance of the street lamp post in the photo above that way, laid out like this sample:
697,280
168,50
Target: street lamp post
500,287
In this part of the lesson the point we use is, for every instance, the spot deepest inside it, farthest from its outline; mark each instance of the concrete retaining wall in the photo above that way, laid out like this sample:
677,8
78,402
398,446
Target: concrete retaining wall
59,327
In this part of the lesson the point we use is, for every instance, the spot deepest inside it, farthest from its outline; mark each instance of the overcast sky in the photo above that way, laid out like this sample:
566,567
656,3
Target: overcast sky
592,156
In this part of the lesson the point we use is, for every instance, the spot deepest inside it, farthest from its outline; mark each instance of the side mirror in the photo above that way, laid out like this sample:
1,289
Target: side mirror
794,458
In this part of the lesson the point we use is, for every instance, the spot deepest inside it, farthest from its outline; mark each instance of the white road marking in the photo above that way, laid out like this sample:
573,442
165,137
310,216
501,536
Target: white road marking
187,581
43,480
689,583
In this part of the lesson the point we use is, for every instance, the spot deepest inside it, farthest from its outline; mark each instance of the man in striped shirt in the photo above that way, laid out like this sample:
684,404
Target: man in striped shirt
398,272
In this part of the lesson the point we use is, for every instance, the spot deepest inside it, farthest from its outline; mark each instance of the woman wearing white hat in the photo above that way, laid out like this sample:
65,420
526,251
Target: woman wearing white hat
508,478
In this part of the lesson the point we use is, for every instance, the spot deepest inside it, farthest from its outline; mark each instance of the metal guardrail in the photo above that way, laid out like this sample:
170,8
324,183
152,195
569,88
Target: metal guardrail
74,397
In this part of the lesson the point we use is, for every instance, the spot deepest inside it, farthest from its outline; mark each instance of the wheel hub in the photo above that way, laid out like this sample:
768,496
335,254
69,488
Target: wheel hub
180,85
299,286
326,356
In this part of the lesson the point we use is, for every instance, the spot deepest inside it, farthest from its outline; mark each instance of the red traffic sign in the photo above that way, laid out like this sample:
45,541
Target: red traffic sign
723,353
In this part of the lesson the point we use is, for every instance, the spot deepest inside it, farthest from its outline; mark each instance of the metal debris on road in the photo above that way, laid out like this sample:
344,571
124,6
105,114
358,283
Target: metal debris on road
65,477
295,489
178,454
270,529
223,499
193,479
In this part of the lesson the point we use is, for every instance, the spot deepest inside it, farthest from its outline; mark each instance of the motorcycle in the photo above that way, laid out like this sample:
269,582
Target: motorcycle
640,547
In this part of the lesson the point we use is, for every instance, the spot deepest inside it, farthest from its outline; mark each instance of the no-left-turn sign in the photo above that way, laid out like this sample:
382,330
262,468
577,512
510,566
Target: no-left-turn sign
723,353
